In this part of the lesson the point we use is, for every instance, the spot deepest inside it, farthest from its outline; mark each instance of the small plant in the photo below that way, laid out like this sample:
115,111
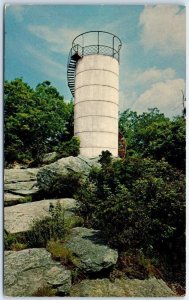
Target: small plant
136,265
61,253
51,227
9,240
73,221
18,246
45,291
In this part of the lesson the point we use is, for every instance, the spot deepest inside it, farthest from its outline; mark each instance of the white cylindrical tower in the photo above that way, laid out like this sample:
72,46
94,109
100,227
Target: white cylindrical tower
94,80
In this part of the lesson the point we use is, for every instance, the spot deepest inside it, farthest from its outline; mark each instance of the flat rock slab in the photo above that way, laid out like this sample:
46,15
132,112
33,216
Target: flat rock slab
18,218
93,255
122,288
18,175
12,199
28,270
22,188
21,181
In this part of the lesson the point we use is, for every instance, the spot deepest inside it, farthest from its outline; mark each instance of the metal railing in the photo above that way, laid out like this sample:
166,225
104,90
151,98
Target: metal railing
90,43
97,42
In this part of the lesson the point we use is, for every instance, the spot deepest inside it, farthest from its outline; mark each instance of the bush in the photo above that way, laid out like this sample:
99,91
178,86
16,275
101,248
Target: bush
68,148
51,227
138,204
65,185
18,246
9,240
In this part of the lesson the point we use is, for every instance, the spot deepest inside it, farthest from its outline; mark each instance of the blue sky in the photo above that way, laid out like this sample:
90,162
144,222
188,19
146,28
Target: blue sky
152,64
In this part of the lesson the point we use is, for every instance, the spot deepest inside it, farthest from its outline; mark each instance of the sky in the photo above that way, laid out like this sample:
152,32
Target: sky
152,58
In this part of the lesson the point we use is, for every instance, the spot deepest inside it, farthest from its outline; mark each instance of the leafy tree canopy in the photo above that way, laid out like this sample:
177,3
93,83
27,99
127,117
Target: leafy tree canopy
154,135
35,119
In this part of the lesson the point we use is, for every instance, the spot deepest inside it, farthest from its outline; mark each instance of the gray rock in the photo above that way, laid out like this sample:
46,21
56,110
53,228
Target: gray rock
93,255
22,188
49,157
12,199
18,218
21,181
18,175
47,176
28,270
122,288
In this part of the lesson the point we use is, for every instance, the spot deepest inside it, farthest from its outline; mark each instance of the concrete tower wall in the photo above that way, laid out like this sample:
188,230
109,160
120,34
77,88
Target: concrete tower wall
96,104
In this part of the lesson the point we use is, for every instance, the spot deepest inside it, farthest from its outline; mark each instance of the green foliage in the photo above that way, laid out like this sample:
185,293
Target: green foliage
68,148
66,185
105,157
60,253
14,242
138,203
17,246
73,221
35,120
154,135
51,227
9,240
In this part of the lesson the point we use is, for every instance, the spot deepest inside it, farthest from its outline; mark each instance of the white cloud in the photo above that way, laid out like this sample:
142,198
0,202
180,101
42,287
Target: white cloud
58,39
163,28
45,64
166,96
153,87
150,76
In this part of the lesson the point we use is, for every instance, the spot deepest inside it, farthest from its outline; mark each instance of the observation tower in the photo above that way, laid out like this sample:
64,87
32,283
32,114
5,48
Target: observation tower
93,79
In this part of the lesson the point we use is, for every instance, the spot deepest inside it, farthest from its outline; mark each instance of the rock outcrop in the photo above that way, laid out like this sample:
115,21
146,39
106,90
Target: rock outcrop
122,288
18,218
49,158
48,176
93,255
20,183
28,270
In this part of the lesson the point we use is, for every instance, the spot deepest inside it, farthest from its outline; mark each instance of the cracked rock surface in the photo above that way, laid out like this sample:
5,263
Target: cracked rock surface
28,270
18,218
93,254
151,287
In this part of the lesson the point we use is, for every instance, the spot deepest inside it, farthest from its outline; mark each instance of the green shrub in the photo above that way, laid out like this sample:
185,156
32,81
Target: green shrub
51,227
138,204
9,240
68,148
73,221
18,246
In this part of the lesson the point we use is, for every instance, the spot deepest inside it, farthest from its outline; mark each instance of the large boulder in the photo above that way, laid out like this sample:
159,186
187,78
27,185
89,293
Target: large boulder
18,218
20,182
62,170
151,287
92,253
28,270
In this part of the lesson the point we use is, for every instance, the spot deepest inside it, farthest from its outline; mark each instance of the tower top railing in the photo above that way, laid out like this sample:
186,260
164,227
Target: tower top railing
97,42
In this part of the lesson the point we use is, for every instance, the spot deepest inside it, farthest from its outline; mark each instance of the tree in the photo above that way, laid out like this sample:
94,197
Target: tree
154,135
34,119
